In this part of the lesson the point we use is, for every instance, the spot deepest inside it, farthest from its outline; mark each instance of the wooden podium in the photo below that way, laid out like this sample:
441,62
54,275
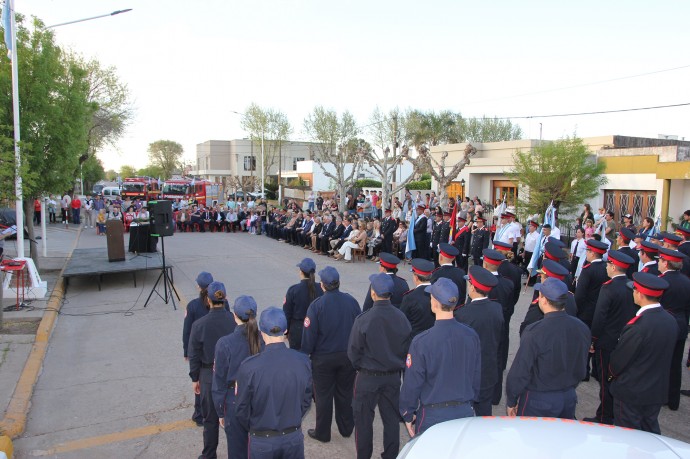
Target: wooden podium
114,231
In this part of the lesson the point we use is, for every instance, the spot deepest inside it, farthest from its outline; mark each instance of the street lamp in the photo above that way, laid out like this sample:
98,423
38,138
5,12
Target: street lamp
91,18
462,184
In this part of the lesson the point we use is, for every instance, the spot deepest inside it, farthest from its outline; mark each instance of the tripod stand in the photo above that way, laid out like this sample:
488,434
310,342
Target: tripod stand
167,282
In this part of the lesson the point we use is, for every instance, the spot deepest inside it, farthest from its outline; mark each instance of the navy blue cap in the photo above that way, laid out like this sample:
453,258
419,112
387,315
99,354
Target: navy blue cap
307,265
494,257
388,260
596,246
554,269
328,275
203,279
445,291
620,259
648,284
553,252
627,234
671,238
273,321
422,267
556,241
216,291
650,247
481,278
546,225
671,255
381,283
553,289
244,307
503,245
656,236
448,250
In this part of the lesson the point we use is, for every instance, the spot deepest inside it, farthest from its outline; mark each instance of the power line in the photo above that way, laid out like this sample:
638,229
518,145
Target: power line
590,113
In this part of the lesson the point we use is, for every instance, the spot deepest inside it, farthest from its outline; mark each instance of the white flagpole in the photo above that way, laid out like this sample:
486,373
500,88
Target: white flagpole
17,157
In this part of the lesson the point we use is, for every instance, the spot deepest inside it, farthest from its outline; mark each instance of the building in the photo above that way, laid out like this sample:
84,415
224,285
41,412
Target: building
219,160
646,177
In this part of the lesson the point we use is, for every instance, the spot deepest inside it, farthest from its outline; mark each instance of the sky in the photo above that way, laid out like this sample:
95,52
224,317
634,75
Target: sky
190,65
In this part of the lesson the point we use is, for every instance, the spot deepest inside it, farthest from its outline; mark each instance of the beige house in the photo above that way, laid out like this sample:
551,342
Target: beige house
646,177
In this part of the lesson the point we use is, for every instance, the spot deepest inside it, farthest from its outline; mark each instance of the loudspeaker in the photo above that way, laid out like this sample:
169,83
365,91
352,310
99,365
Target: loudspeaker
114,232
161,218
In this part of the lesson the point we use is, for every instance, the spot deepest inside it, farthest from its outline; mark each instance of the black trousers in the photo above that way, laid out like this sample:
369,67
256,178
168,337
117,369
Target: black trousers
334,378
370,391
208,411
605,410
640,417
676,375
503,347
295,334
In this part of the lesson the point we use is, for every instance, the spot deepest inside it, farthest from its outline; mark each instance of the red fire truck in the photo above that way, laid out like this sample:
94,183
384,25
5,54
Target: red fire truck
202,191
144,188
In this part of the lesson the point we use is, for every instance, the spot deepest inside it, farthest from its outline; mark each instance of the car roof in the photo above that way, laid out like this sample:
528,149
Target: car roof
530,437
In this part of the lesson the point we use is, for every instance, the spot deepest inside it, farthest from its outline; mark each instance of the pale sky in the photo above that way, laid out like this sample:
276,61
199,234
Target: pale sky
189,64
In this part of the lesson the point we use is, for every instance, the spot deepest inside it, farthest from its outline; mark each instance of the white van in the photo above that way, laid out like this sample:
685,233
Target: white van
110,191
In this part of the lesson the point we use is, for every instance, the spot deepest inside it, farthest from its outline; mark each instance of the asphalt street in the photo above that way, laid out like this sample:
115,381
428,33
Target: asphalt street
114,382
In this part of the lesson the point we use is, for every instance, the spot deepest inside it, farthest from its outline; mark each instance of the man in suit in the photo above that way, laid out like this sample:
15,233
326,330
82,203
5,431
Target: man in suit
436,236
623,241
326,231
479,240
420,240
461,241
388,227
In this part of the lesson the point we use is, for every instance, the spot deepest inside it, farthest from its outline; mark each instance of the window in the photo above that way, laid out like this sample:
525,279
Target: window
249,163
294,163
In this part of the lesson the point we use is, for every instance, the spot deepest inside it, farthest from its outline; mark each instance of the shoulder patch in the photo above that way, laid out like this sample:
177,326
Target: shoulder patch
607,282
408,361
307,322
633,320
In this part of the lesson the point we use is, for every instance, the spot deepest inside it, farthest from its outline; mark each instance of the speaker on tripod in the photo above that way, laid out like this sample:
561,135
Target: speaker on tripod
162,226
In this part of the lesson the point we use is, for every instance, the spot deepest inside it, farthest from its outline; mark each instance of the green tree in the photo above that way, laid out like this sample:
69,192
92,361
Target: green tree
481,130
338,146
165,154
563,171
151,171
273,126
111,175
127,171
92,171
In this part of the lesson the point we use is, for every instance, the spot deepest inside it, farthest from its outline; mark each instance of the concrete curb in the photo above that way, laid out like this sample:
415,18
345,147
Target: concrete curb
14,422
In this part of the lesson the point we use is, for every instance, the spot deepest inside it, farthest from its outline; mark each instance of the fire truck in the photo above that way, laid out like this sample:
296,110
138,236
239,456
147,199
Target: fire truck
202,191
144,188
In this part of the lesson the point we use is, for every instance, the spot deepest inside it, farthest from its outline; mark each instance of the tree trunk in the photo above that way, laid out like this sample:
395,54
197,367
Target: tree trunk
29,225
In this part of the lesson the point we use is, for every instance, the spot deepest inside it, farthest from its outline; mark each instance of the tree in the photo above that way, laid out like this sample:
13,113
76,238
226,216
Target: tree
111,175
437,169
165,154
92,171
127,171
273,126
151,171
562,171
337,146
481,130
387,134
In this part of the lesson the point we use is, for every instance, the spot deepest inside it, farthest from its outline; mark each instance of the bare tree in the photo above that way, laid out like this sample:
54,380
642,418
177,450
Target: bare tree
337,145
437,169
271,125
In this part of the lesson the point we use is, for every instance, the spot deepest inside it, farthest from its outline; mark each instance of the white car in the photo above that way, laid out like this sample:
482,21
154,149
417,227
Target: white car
536,438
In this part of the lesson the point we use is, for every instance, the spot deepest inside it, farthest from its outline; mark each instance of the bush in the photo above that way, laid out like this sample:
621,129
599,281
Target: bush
420,185
425,177
367,183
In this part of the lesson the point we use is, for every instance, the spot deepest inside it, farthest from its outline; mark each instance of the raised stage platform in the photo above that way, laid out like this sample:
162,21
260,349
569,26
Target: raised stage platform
94,262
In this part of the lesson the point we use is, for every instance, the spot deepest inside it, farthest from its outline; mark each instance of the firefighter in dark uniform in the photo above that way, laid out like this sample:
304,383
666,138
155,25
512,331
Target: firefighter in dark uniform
671,241
447,254
623,241
416,304
461,241
202,346
641,361
486,318
326,333
388,227
649,252
419,231
676,300
445,227
509,270
196,309
436,236
615,307
274,392
231,350
443,374
550,361
479,240
549,269
388,263
297,300
502,293
553,251
377,348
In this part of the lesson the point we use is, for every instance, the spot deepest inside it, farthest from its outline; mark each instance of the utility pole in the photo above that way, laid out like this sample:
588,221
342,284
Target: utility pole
395,143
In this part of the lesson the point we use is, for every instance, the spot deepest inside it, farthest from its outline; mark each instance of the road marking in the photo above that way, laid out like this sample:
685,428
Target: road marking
93,442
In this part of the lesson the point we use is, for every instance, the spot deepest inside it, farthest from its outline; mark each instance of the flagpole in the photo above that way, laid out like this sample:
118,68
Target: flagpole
17,157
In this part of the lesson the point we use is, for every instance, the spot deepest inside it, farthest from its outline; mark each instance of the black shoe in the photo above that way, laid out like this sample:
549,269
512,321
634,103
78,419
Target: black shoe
673,407
312,434
586,378
685,392
199,421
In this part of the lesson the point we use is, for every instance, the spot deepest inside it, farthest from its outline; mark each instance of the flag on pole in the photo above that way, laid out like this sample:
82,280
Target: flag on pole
549,217
7,12
411,246
453,222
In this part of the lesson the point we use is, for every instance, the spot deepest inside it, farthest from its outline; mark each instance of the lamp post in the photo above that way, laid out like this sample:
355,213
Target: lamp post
462,184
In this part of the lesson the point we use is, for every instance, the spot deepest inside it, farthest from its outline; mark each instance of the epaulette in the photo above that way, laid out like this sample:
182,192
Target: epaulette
587,266
409,291
633,320
435,270
607,282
